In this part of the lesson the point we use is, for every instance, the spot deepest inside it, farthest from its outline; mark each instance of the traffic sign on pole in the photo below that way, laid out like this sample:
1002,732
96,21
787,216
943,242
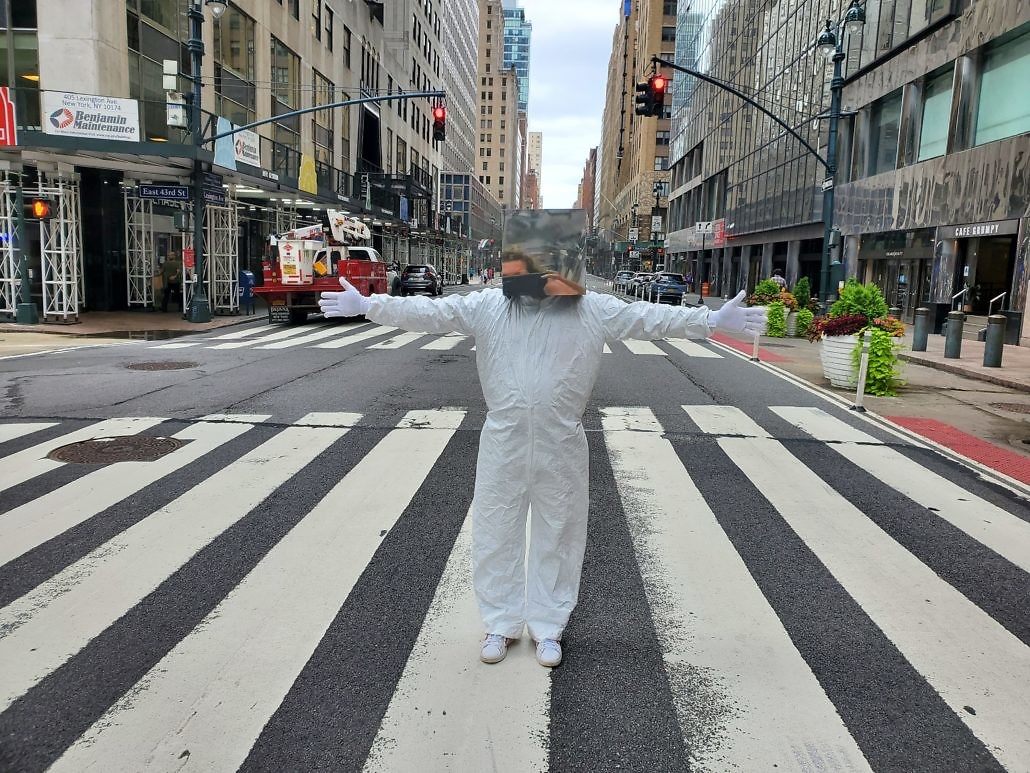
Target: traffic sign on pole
8,122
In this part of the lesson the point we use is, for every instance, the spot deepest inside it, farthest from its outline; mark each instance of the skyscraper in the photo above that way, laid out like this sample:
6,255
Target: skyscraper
517,33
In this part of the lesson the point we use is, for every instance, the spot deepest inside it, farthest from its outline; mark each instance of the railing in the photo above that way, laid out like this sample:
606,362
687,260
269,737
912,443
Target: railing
959,294
990,305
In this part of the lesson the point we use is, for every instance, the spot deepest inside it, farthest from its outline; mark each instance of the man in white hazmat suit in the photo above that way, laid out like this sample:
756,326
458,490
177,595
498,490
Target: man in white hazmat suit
538,357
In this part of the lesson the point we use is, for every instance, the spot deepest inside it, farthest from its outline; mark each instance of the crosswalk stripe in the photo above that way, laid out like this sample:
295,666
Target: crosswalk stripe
237,418
692,349
237,334
214,692
474,716
364,335
32,462
179,345
317,335
398,341
642,347
277,335
322,419
446,342
699,583
13,431
1002,532
48,625
607,349
42,519
968,658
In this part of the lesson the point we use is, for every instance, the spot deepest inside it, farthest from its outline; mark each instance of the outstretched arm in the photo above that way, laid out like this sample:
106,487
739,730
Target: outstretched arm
651,320
452,314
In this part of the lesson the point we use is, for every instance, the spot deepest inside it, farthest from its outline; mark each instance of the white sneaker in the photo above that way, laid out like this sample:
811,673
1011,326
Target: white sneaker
494,648
548,653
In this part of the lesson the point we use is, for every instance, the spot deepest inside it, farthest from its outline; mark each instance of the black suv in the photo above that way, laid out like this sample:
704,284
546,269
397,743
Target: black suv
421,279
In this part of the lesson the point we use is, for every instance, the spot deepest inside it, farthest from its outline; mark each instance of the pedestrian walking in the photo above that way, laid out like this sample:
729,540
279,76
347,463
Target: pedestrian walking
777,277
539,341
171,278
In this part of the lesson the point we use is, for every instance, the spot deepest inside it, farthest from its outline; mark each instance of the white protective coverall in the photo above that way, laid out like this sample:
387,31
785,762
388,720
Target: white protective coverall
537,365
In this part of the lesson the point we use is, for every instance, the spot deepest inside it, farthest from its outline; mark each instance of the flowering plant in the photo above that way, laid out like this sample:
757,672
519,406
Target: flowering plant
844,325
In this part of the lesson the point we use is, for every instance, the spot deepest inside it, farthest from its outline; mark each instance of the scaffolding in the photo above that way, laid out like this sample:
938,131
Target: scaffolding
60,239
139,250
10,271
223,230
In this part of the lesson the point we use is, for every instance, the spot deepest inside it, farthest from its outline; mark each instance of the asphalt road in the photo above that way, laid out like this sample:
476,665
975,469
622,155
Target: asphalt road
771,581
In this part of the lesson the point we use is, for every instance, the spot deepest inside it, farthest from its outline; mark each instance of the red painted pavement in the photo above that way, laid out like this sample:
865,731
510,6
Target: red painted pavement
742,346
997,458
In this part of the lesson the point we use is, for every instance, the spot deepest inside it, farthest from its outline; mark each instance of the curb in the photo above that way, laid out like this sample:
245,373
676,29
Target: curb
1019,386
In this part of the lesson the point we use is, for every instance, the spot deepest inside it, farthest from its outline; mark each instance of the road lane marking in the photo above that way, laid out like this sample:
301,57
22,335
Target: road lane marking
13,431
446,342
364,335
961,651
179,345
448,706
715,618
32,462
692,349
278,335
642,347
398,341
317,335
47,626
44,518
215,691
236,334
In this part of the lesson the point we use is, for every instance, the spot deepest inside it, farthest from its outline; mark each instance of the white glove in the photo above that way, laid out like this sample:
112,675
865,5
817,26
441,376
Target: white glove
349,303
735,317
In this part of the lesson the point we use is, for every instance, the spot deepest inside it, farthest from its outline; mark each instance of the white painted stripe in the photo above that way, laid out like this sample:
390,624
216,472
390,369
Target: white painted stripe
398,341
236,334
178,345
962,652
364,335
444,343
326,332
692,349
214,692
23,465
607,349
42,519
278,335
329,420
642,347
48,625
12,431
242,418
717,622
1002,532
449,707
444,418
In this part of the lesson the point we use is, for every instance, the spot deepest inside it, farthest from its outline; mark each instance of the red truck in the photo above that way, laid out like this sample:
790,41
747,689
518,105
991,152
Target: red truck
307,261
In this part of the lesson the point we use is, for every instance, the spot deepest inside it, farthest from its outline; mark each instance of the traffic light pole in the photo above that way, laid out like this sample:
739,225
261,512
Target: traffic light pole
200,307
26,313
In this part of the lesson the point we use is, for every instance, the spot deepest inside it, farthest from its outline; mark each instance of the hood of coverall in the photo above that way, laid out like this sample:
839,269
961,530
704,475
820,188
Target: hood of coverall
544,253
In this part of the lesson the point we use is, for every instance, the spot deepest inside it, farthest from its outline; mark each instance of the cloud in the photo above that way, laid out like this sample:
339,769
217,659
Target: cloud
568,75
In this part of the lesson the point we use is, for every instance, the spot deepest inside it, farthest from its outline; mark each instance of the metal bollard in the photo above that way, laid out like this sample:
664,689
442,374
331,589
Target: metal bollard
754,353
863,369
953,335
921,330
995,341
894,311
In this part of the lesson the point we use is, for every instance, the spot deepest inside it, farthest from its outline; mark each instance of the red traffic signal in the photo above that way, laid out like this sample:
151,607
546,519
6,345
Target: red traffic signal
439,113
39,209
439,123
658,83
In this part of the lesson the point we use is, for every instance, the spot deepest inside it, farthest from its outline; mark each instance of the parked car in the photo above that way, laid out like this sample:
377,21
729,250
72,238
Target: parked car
666,287
421,279
622,278
635,281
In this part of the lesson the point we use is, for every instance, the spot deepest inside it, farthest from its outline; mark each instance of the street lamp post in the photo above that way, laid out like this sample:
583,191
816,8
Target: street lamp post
200,307
831,45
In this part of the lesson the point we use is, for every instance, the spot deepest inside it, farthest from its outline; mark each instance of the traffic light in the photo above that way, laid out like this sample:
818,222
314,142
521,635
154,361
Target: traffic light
39,209
650,98
439,123
644,101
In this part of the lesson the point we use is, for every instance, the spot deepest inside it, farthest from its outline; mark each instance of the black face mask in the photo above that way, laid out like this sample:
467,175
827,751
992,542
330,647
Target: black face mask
524,285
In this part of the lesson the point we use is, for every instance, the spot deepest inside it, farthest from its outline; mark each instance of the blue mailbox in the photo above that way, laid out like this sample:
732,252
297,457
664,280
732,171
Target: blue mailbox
247,282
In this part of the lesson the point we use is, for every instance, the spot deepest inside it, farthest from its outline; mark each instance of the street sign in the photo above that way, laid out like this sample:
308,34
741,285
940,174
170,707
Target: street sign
188,258
167,192
8,123
656,224
212,196
703,228
827,183
634,234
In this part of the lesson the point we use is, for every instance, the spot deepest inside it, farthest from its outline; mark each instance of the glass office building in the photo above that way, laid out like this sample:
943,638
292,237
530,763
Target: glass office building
517,35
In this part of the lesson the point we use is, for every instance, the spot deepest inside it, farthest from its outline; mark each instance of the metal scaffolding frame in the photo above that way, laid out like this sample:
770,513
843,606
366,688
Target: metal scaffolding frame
140,265
61,252
10,273
222,238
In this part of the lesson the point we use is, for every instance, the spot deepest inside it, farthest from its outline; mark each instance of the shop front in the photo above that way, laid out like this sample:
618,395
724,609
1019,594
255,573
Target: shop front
901,264
981,260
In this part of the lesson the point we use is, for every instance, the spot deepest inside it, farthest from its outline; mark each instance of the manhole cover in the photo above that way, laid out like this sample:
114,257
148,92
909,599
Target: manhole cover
107,450
1014,407
164,365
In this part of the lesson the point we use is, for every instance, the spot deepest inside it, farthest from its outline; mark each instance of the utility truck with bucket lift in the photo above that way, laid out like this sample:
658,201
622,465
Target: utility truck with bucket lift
306,261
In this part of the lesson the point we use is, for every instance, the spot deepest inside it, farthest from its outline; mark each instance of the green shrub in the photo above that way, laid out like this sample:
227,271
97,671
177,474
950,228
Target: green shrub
776,320
805,318
882,375
765,293
856,298
803,292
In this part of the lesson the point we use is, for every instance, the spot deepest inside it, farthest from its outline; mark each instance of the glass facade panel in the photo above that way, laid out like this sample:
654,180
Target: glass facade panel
884,130
1004,108
933,136
234,66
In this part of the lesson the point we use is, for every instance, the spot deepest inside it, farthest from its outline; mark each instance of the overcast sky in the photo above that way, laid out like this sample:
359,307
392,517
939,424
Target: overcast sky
568,72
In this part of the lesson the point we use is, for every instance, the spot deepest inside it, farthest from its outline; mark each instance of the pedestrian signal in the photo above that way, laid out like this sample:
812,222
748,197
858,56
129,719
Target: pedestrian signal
39,209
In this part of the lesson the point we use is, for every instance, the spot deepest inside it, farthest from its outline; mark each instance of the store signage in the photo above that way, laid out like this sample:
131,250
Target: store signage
167,192
189,258
972,230
247,147
83,115
8,122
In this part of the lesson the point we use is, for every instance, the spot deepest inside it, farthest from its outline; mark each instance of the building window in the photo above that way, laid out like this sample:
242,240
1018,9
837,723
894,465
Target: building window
1004,110
295,9
933,133
235,91
285,98
661,163
668,34
884,125
402,156
346,45
329,28
669,7
323,93
316,18
661,138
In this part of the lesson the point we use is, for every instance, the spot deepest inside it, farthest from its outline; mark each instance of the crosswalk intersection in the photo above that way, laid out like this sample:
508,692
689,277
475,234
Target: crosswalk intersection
85,640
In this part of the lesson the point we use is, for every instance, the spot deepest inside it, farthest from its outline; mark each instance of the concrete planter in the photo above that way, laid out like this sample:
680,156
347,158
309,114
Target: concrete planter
835,354
792,324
